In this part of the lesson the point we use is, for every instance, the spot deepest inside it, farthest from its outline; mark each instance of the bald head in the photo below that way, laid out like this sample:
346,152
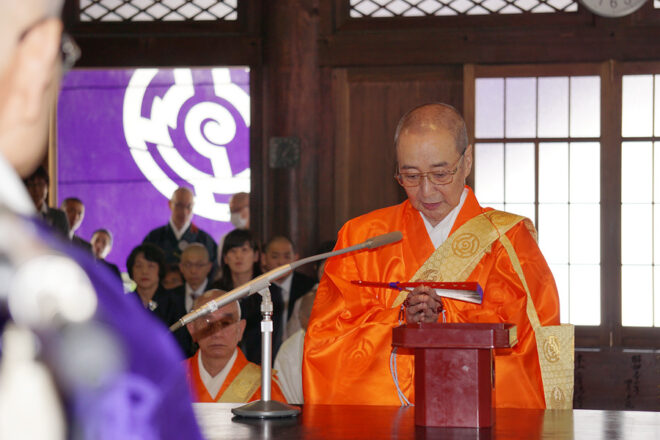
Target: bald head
218,333
197,250
212,294
195,265
182,191
239,209
433,159
434,118
181,205
238,201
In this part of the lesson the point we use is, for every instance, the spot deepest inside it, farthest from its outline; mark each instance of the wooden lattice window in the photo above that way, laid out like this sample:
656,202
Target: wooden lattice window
158,10
426,8
573,147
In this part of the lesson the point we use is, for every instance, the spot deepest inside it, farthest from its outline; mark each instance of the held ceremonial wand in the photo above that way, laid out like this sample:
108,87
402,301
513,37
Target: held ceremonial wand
463,291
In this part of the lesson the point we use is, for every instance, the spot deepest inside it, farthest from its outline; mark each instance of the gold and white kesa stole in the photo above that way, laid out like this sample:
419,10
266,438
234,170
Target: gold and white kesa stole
457,258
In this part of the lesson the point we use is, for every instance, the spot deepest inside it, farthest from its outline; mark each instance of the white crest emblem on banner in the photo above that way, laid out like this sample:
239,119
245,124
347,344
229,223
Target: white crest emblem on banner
208,127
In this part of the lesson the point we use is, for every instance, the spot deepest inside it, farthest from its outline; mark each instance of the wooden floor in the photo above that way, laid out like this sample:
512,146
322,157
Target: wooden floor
384,422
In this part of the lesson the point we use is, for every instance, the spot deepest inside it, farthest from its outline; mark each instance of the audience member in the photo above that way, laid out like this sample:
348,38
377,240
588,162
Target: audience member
173,277
146,266
101,246
75,213
37,186
239,216
175,236
101,371
195,267
239,209
240,265
219,372
277,252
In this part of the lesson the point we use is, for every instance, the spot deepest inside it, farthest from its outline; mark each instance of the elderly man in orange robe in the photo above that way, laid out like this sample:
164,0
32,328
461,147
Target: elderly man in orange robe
348,343
219,371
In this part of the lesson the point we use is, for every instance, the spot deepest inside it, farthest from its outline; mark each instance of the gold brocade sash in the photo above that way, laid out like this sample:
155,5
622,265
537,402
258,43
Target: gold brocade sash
457,258
244,385
555,345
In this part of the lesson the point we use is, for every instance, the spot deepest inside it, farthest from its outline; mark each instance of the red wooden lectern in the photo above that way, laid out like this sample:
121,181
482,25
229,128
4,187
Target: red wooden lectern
454,378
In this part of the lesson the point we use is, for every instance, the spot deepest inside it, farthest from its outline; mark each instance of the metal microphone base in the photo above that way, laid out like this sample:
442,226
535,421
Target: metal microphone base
266,409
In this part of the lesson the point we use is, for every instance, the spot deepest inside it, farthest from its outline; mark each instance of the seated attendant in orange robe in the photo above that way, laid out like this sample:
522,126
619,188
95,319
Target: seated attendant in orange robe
218,371
348,341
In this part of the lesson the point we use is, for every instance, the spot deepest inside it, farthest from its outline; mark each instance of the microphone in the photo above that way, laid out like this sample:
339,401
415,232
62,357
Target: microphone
382,240
263,281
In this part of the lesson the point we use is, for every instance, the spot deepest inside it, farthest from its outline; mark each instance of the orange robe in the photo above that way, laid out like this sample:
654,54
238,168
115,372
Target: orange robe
201,394
348,340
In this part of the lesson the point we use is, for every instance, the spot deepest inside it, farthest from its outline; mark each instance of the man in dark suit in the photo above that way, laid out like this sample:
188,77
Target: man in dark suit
74,209
277,252
179,232
37,186
195,267
101,246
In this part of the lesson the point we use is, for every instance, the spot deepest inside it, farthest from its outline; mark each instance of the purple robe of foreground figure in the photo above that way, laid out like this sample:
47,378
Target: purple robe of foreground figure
146,395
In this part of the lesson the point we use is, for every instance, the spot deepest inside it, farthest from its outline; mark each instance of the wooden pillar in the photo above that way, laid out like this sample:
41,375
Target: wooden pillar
291,121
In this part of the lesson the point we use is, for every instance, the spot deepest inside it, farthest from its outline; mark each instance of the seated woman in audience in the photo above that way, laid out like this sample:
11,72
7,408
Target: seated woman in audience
146,266
240,264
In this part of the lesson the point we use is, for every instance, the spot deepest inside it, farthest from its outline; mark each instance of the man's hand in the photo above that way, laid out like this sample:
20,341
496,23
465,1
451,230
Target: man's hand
422,305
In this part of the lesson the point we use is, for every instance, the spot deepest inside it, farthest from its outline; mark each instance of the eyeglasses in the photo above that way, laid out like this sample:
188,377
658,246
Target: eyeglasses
410,180
70,52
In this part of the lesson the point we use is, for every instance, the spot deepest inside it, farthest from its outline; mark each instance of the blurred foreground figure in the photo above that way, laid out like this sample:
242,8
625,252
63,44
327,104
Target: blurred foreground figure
79,359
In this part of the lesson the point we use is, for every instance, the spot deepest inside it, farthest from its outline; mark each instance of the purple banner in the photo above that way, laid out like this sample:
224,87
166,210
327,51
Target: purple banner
128,138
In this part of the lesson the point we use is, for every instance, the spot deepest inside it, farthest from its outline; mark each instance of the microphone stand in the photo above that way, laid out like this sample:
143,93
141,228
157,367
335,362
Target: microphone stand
266,408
